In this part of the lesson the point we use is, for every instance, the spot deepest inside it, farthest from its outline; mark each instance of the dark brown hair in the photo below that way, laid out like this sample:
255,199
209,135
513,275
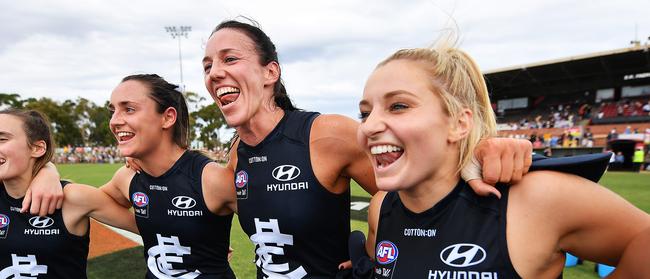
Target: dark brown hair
266,53
167,95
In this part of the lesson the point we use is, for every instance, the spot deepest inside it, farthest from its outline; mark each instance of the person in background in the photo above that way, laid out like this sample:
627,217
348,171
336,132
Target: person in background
619,159
638,158
612,135
587,138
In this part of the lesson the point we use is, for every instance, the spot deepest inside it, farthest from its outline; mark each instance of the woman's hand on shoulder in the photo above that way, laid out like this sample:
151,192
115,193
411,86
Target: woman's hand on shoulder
44,194
498,160
133,164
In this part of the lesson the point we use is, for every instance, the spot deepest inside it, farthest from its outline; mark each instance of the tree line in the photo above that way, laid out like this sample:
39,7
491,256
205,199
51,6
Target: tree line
81,122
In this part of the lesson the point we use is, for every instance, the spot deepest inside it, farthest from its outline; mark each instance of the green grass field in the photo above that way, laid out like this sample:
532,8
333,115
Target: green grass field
130,264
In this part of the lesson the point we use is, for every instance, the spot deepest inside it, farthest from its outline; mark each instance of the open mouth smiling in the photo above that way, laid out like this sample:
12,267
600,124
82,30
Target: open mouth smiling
386,154
123,136
227,95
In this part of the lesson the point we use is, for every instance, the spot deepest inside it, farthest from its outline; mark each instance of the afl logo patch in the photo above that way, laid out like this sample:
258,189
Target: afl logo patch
285,172
4,221
183,202
386,252
241,179
41,222
463,255
140,199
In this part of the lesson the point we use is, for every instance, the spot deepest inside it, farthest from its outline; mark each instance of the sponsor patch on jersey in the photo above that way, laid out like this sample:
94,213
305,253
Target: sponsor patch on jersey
184,203
41,226
386,252
463,255
153,187
257,159
41,222
285,173
140,199
241,185
4,225
4,221
140,204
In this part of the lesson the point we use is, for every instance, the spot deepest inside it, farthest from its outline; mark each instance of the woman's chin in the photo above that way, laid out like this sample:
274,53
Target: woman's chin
388,184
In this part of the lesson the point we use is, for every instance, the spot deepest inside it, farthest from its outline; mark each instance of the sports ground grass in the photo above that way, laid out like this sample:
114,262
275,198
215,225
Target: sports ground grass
129,263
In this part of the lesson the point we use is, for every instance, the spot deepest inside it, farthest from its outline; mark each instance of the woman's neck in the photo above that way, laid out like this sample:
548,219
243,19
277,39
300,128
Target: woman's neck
428,194
17,187
162,159
260,126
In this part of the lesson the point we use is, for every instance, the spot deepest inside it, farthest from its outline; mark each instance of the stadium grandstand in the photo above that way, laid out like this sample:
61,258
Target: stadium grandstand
582,104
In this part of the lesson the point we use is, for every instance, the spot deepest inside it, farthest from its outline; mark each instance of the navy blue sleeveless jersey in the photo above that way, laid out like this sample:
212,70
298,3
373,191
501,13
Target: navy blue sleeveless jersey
462,236
299,228
182,238
38,247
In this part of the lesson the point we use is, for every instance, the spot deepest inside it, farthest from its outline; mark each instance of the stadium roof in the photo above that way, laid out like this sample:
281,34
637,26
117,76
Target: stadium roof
607,69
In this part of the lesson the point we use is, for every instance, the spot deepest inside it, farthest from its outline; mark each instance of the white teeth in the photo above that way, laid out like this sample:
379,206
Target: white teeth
380,149
224,90
124,134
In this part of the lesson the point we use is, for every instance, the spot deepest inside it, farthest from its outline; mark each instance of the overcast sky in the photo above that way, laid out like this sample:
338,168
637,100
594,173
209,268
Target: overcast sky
66,49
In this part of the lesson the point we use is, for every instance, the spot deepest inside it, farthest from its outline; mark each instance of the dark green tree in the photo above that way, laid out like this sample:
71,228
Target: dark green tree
100,131
208,121
63,118
11,100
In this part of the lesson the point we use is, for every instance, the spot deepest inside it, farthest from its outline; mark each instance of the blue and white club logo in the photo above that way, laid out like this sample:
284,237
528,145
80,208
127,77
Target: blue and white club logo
463,255
285,172
41,222
4,221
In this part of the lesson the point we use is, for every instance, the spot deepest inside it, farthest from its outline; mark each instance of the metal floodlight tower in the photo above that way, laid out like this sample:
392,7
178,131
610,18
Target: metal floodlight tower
178,33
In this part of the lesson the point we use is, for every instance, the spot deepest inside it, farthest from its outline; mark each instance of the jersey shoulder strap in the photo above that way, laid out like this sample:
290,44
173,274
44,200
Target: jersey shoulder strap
297,125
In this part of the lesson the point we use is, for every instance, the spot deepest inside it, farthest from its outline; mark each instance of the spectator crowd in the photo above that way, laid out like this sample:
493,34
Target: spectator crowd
111,155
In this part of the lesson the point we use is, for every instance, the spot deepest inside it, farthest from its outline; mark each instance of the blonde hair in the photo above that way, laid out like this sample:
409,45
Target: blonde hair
460,84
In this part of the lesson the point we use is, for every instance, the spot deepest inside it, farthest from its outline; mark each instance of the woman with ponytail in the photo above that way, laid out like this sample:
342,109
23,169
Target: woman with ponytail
293,168
183,201
423,113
